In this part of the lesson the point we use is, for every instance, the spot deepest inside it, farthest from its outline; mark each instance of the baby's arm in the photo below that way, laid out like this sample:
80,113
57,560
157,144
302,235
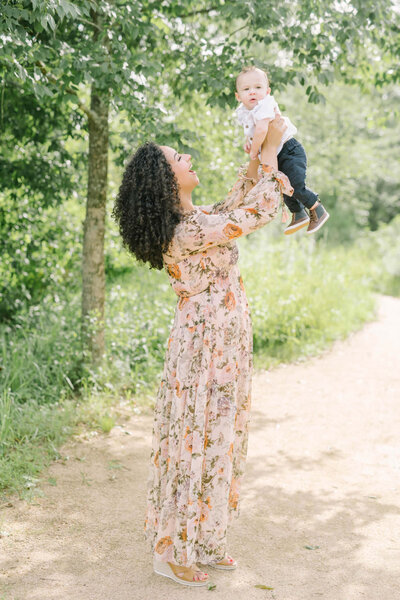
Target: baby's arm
260,131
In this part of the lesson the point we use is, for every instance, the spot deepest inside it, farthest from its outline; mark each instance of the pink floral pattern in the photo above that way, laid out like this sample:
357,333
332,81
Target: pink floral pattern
200,430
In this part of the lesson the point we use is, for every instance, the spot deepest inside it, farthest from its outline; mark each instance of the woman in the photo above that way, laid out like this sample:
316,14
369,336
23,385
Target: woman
201,413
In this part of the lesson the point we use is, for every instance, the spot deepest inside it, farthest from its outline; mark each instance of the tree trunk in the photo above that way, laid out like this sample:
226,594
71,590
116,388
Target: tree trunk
93,275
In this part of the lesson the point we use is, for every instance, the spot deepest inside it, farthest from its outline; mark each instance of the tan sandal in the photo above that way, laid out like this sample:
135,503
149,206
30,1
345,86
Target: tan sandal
163,568
225,567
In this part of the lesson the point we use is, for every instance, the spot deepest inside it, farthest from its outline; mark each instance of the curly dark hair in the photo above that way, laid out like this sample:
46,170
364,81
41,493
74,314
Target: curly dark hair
147,207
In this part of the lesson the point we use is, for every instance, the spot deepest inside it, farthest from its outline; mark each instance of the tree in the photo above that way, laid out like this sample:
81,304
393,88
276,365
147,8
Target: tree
136,56
59,48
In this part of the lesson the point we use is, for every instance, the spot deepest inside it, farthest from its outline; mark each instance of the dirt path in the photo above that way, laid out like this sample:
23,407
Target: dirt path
323,471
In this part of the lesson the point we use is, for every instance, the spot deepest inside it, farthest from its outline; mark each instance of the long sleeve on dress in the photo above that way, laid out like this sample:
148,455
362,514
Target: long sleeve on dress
257,207
236,195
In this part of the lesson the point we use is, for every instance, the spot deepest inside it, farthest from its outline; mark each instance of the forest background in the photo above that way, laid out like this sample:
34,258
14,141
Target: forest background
83,326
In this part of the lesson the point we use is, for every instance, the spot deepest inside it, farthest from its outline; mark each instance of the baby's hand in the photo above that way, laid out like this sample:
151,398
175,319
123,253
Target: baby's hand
247,147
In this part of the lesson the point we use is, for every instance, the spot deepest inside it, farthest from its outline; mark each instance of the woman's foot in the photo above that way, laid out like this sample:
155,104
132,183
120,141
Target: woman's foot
192,573
226,563
228,560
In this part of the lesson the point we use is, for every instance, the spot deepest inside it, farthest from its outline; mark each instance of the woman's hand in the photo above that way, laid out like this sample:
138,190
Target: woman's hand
275,131
274,136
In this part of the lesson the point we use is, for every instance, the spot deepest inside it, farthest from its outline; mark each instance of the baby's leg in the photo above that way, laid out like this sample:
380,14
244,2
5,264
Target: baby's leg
293,205
292,161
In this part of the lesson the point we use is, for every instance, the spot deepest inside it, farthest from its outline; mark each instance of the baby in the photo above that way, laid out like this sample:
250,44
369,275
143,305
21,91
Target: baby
257,107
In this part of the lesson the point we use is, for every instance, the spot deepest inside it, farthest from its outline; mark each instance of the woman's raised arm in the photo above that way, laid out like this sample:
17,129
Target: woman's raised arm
248,173
201,231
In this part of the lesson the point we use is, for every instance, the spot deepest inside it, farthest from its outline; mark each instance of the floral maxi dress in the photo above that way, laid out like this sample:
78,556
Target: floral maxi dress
200,431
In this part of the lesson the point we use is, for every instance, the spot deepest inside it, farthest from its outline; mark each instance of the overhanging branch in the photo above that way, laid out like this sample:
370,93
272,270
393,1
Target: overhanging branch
90,114
236,30
201,11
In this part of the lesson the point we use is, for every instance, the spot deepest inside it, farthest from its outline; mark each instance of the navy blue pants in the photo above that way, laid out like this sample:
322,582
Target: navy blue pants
292,161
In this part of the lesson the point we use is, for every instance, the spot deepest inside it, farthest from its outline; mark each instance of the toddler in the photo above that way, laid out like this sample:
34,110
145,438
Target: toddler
257,107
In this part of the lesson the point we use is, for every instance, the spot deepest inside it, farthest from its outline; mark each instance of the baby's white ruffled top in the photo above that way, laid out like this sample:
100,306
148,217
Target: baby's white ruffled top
265,109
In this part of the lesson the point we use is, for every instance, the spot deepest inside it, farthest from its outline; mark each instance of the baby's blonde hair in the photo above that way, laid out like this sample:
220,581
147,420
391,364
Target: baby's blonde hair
248,69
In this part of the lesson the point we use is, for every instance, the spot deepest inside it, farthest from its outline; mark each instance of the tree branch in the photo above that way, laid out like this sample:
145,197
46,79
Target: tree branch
236,30
2,103
90,23
198,12
90,114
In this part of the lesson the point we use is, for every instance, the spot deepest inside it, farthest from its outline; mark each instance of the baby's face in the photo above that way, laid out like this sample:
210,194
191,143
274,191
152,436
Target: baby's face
252,87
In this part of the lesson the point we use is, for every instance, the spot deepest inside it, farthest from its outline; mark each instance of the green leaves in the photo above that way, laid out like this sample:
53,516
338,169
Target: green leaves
88,41
64,9
157,59
47,12
314,96
47,21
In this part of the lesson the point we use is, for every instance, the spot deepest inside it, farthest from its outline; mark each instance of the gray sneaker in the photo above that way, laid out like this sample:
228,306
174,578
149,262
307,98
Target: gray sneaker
299,219
318,216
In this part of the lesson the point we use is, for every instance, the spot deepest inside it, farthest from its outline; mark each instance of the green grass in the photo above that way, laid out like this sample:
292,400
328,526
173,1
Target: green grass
30,435
40,352
302,297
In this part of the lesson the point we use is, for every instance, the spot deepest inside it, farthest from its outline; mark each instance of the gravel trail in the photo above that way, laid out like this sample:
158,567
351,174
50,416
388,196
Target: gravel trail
320,505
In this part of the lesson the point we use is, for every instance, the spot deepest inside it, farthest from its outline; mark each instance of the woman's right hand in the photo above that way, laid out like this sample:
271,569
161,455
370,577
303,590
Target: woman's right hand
272,141
276,129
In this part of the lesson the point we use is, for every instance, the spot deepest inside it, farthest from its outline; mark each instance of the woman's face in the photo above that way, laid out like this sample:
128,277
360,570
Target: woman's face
181,166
